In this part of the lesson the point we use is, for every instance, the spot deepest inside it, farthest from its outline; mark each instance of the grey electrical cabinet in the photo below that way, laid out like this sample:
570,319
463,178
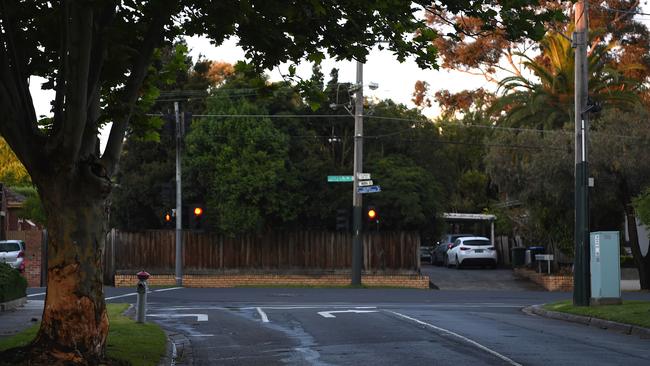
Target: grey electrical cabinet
605,268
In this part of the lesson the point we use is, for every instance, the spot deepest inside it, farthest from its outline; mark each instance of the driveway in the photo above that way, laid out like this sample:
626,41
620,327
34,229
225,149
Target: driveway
476,279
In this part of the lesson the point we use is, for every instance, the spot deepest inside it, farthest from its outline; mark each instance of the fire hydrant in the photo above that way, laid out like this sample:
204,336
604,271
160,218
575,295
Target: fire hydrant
141,310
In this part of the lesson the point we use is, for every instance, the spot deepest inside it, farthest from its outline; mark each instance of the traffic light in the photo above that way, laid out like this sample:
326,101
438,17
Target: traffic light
196,217
169,218
342,220
372,214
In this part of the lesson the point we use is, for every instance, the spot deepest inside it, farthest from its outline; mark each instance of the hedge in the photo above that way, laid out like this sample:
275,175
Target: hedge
12,284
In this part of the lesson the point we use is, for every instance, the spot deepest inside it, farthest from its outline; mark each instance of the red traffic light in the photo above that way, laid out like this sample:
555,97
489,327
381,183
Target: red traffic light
372,213
198,211
168,217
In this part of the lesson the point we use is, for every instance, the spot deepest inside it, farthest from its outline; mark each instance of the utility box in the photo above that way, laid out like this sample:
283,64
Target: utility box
605,268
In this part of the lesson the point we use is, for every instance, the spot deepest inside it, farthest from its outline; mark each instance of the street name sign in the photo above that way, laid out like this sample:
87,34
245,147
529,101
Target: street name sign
363,176
370,189
365,183
339,178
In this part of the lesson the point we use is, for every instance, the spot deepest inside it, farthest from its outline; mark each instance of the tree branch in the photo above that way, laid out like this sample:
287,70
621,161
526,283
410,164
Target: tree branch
78,48
131,91
19,120
97,57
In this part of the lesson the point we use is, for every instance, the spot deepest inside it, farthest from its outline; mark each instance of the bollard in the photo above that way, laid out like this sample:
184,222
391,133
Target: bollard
141,310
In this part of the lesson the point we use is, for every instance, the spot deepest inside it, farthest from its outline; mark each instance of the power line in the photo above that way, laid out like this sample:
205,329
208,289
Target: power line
399,119
624,11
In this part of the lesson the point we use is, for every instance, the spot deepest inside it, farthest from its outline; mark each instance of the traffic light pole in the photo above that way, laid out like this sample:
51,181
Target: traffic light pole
179,205
581,270
357,255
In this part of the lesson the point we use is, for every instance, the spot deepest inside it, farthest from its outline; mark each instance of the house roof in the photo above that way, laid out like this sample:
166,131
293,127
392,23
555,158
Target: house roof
14,199
452,216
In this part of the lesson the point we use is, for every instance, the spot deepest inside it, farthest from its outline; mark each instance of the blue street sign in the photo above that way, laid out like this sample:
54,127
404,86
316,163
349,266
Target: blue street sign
371,189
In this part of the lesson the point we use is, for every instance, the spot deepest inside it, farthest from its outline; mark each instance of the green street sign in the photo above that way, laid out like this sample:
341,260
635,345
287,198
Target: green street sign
339,178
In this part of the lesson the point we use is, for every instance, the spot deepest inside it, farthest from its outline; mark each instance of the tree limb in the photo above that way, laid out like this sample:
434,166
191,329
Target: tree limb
131,91
78,48
19,123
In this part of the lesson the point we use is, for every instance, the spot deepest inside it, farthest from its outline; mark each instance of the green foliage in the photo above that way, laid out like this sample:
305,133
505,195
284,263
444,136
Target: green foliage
410,195
547,100
12,284
12,171
642,206
627,261
239,168
32,207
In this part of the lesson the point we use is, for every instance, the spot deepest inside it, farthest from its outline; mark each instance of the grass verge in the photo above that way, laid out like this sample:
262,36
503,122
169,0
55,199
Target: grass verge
630,312
139,344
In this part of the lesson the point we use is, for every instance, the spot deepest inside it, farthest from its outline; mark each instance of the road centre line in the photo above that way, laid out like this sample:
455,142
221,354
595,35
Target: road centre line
265,318
39,294
120,296
167,289
465,339
135,293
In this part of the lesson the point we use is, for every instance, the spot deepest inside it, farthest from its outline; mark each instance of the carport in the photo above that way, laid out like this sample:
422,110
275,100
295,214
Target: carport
452,217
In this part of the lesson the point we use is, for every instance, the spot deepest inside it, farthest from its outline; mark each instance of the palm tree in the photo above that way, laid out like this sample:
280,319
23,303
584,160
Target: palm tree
546,102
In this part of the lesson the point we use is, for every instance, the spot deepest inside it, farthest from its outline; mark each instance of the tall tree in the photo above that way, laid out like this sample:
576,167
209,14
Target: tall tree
96,56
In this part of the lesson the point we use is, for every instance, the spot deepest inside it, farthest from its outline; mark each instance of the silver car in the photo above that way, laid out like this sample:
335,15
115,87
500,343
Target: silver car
12,252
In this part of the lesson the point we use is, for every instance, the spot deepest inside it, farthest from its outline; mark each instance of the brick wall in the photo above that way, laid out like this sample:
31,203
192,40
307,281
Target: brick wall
549,282
33,240
228,280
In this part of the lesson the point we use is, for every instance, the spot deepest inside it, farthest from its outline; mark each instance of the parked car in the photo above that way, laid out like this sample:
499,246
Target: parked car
12,252
439,253
473,250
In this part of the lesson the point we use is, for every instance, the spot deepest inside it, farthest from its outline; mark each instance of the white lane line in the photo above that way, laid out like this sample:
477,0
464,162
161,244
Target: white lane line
120,296
474,343
199,317
265,318
39,294
167,289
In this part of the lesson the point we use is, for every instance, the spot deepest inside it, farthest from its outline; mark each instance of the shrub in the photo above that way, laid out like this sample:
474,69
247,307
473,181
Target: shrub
12,284
627,261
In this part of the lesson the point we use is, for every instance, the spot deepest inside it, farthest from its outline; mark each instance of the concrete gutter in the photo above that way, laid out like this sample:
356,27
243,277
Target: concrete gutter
13,304
589,321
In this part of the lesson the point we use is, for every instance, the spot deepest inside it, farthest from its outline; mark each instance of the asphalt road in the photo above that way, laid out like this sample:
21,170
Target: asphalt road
253,326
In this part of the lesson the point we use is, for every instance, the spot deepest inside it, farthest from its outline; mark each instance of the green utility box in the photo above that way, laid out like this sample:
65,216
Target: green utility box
605,268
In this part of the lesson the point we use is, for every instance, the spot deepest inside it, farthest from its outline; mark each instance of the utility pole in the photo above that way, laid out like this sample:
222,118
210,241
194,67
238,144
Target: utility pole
581,271
357,255
179,205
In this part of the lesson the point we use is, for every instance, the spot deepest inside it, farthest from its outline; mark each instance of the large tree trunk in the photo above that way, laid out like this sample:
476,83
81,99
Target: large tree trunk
75,323
642,263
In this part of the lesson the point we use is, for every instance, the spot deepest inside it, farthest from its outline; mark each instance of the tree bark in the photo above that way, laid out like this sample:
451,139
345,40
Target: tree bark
75,323
642,263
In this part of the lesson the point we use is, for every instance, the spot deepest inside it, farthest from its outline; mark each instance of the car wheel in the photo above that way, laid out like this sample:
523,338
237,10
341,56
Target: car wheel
458,265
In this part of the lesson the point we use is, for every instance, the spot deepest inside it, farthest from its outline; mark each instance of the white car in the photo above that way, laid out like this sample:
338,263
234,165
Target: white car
12,252
473,250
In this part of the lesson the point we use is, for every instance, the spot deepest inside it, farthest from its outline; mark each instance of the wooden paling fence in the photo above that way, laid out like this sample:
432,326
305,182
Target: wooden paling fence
286,252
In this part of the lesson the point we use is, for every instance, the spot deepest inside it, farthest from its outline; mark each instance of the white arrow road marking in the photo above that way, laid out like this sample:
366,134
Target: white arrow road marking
328,314
199,317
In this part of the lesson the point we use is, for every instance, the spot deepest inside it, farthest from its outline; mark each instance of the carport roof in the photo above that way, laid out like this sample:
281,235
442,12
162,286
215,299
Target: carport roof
468,216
